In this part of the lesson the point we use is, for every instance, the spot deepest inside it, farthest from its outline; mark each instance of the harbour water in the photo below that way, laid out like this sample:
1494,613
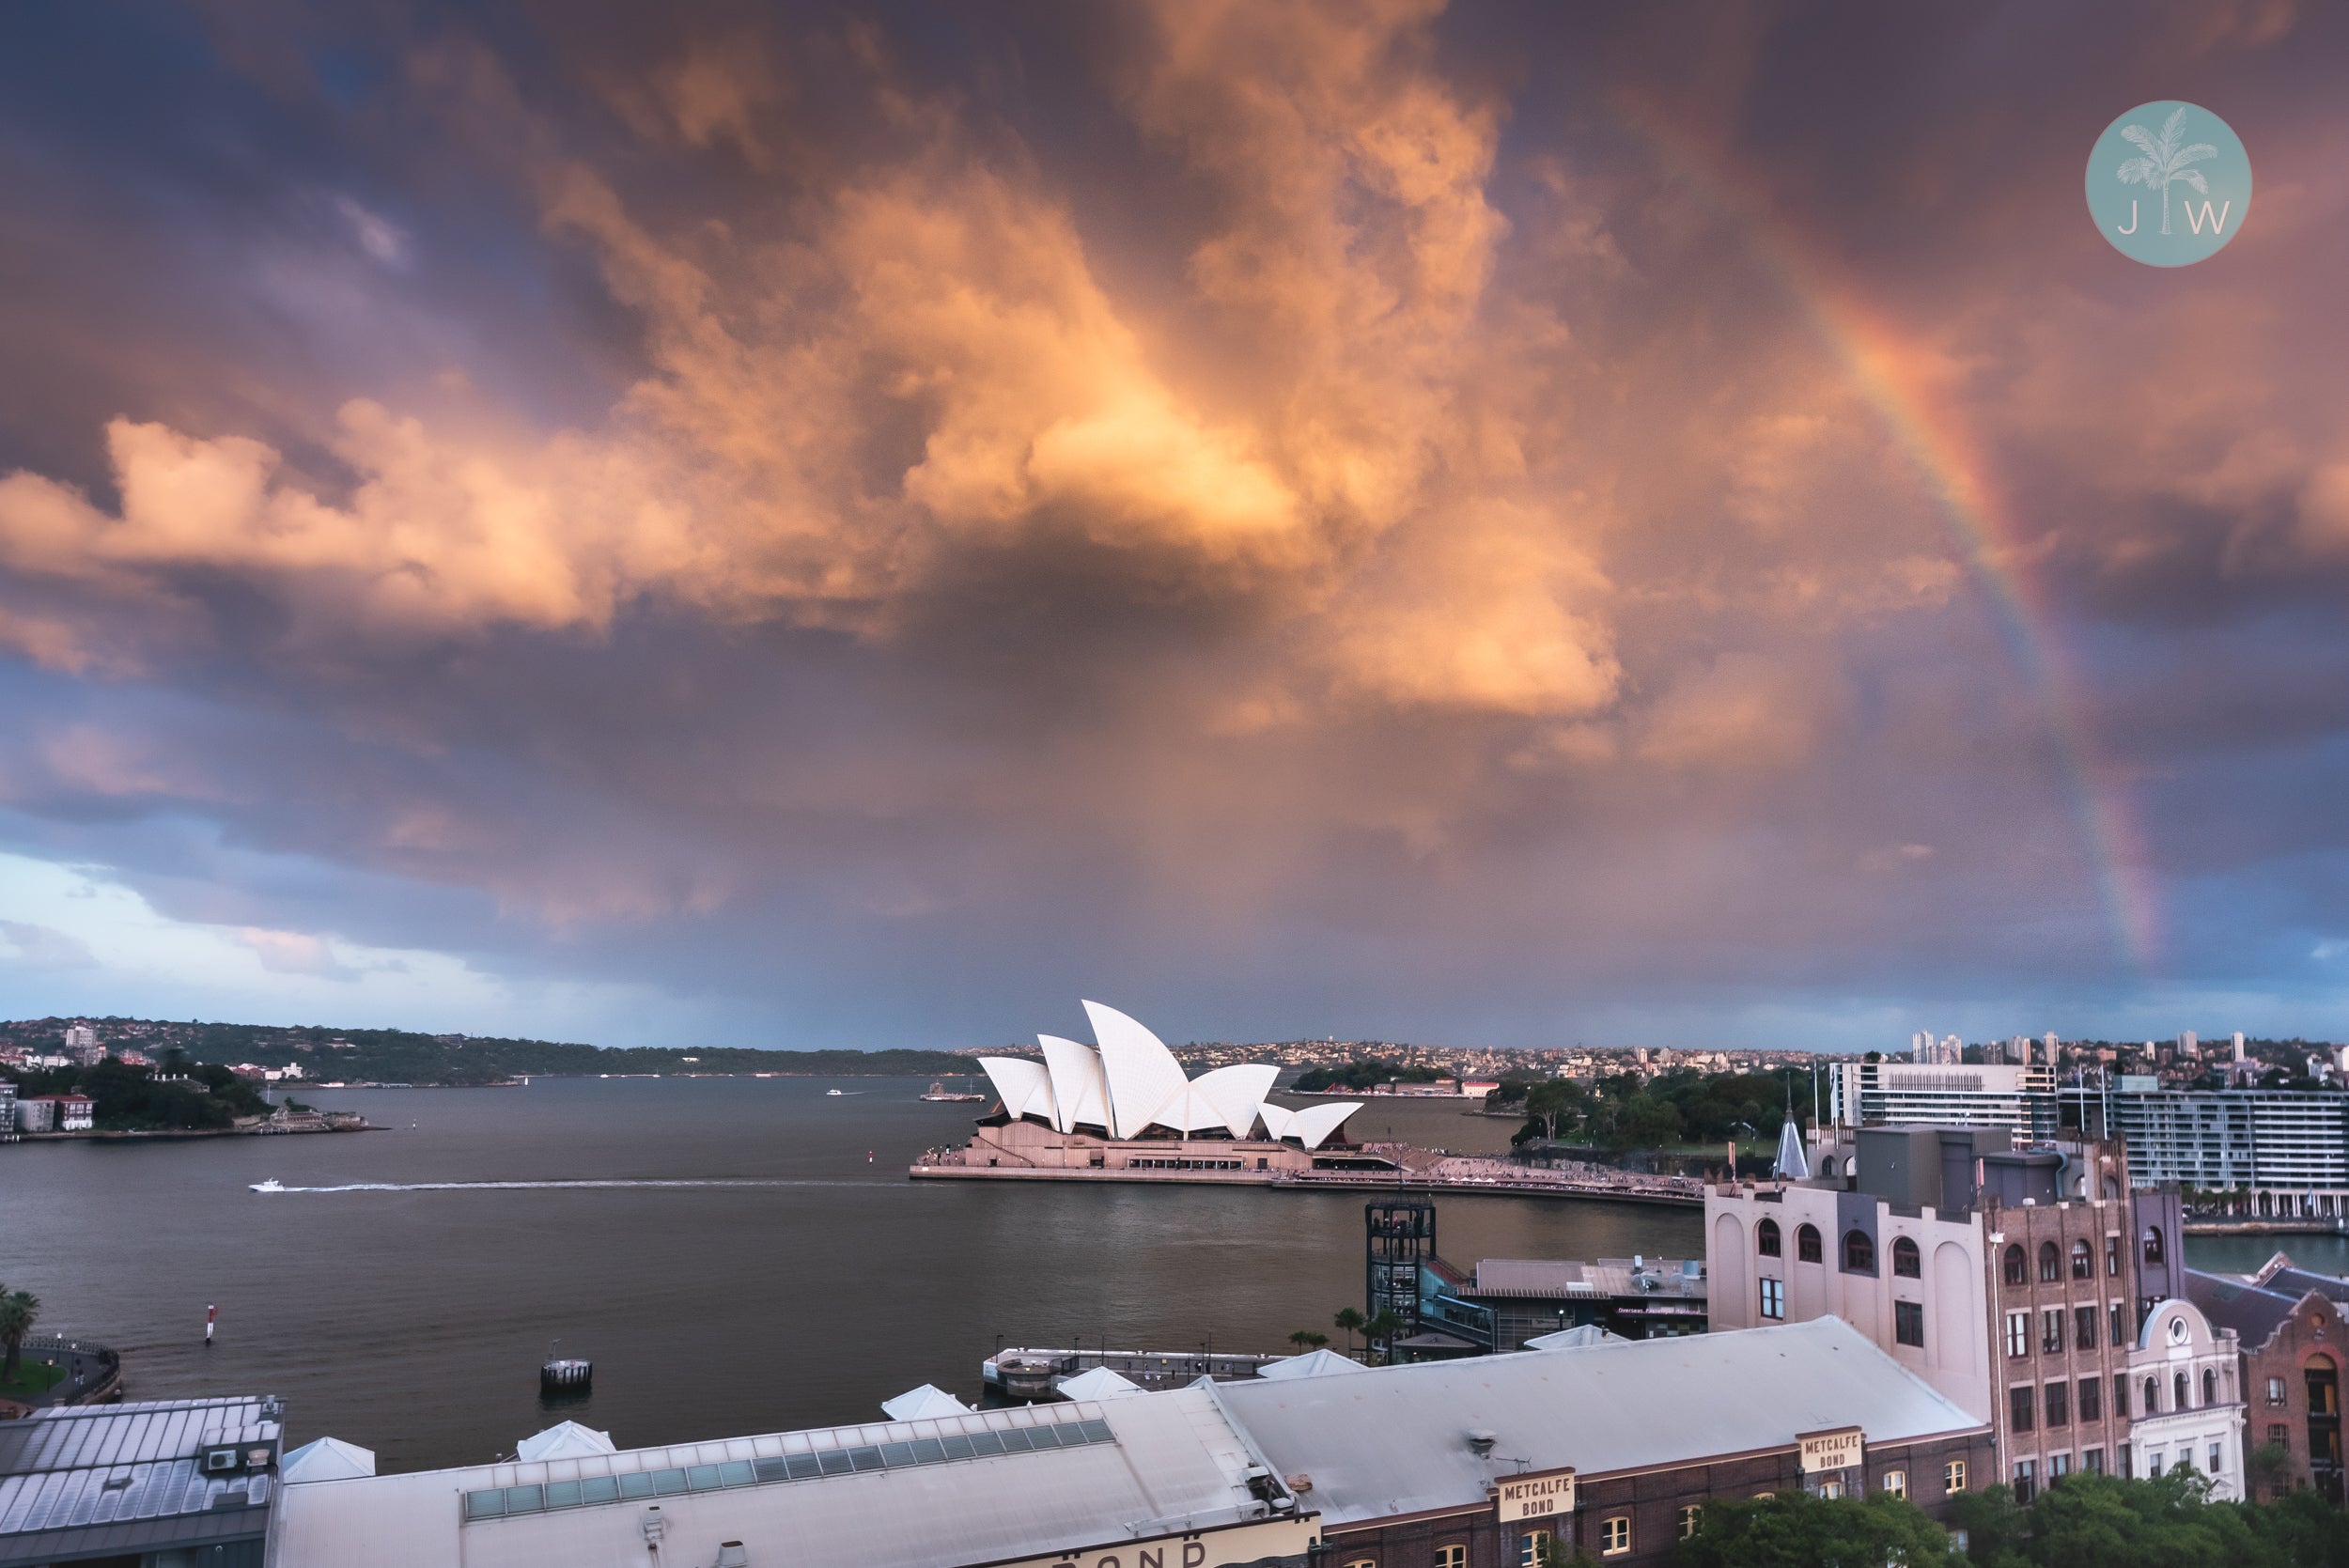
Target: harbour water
765,1274
722,1249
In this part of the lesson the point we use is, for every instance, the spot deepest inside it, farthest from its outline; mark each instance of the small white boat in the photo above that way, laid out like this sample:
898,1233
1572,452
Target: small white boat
272,1185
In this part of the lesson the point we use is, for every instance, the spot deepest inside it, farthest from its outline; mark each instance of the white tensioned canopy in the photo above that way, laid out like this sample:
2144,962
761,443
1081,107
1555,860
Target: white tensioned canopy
1131,1081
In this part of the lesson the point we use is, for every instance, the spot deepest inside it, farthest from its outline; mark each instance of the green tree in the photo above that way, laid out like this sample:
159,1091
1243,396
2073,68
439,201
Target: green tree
19,1310
1351,1321
1796,1529
1299,1337
1381,1331
2168,1521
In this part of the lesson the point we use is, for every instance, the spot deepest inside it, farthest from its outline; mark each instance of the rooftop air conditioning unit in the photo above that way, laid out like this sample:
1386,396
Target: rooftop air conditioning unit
226,1459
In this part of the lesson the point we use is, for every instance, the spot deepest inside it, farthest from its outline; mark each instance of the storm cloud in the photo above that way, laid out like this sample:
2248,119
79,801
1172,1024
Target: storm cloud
1482,524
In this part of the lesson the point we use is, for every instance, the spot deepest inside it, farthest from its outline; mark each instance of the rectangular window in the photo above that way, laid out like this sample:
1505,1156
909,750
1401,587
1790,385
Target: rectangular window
1689,1517
2153,1462
2018,1334
2128,1461
1530,1548
1774,1298
1831,1488
1953,1476
2093,1461
1909,1322
1614,1536
2026,1480
1895,1484
2119,1398
2083,1328
2112,1257
2275,1390
2058,1467
1961,1542
2217,1458
1454,1556
2019,1404
2280,1435
2058,1404
2091,1399
2051,1331
2120,1323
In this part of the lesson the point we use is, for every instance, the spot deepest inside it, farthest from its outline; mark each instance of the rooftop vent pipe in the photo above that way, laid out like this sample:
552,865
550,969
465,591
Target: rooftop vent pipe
731,1555
1481,1443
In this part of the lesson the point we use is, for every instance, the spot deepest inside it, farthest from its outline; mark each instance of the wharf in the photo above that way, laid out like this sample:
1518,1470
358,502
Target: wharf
1410,1169
2308,1224
1029,1374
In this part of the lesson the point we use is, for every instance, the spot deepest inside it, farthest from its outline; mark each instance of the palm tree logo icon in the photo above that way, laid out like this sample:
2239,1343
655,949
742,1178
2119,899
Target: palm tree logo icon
2163,160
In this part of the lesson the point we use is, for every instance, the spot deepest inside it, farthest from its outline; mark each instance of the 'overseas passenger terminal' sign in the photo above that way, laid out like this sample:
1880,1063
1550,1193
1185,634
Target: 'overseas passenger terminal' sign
1535,1497
1838,1450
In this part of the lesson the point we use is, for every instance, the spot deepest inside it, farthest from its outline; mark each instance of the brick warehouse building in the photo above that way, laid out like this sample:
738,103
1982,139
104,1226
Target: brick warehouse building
1613,1447
2294,1343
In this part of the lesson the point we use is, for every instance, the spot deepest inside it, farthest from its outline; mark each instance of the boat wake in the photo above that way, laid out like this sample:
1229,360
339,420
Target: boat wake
560,1186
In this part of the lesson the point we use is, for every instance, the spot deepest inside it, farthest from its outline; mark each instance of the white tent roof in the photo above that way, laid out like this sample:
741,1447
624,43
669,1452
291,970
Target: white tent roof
1313,1363
564,1440
923,1403
1098,1383
1575,1338
326,1459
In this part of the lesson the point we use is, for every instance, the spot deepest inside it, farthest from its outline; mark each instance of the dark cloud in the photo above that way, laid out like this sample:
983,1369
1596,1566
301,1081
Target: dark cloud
1328,517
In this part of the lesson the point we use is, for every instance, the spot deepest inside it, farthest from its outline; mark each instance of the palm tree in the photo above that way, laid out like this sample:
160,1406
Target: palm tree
1351,1321
1314,1342
1300,1337
1383,1328
2163,160
18,1311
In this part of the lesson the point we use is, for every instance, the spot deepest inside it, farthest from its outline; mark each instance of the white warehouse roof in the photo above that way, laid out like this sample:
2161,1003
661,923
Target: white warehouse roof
989,1486
1394,1440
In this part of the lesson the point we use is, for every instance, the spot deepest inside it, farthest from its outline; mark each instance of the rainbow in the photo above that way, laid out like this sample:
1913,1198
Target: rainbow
1899,382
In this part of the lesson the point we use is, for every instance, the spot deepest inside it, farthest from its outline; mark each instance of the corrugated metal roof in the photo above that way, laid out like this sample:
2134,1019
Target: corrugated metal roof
1564,1278
78,1468
1395,1440
1172,1463
2253,1311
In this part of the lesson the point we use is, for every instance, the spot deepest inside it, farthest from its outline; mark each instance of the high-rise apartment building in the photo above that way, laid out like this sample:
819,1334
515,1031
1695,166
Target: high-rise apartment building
2018,1098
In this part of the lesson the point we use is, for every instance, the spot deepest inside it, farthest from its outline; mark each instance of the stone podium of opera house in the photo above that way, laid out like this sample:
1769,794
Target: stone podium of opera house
1124,1108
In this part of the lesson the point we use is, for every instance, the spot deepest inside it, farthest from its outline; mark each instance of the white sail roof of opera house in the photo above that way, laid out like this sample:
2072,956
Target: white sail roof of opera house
1130,1082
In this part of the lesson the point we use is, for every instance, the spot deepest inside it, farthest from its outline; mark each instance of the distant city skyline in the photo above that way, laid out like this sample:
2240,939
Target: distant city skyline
1488,525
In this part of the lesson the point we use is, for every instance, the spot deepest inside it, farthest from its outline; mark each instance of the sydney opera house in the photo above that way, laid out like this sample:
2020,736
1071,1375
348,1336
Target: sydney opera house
1124,1106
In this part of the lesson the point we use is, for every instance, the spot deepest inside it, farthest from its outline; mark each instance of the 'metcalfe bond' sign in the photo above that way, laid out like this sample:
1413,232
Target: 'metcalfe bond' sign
1840,1450
1535,1497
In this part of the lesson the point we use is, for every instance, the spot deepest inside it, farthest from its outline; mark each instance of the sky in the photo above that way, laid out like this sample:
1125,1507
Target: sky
1488,525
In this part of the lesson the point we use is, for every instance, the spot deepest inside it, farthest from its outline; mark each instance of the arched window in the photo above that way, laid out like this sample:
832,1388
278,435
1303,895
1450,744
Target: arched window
1859,1254
2177,1386
2153,1396
1907,1262
2012,1270
2083,1260
1766,1239
1826,1167
2153,1244
2210,1385
1806,1245
2050,1263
